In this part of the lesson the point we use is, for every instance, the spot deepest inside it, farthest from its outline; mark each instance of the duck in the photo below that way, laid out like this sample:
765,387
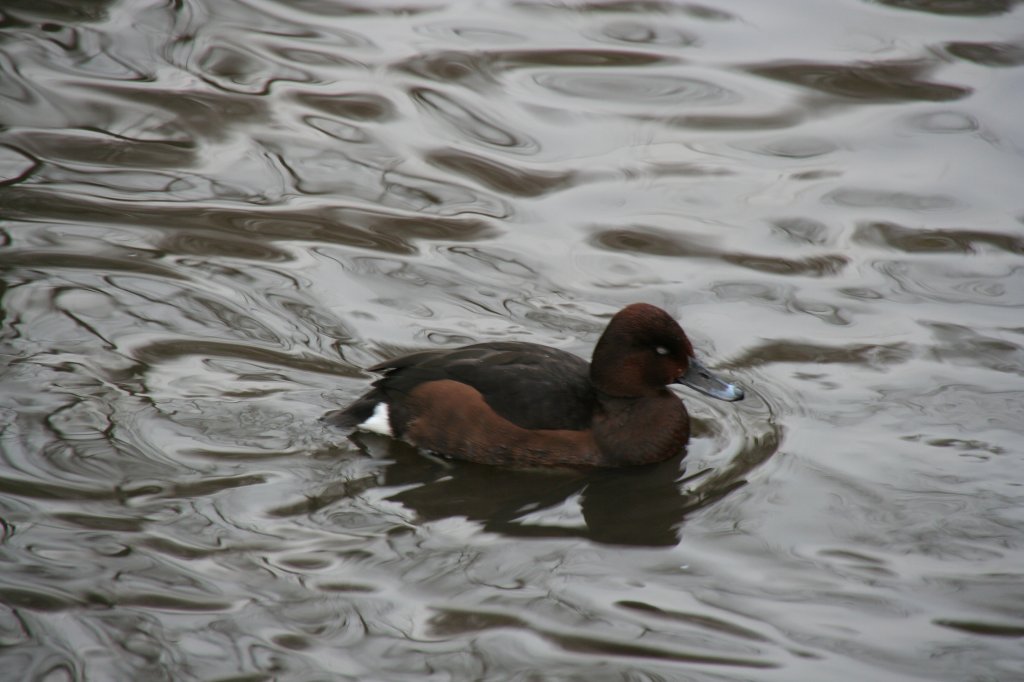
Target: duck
521,404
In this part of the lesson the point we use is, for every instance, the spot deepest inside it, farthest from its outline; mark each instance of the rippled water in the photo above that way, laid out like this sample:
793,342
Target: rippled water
215,213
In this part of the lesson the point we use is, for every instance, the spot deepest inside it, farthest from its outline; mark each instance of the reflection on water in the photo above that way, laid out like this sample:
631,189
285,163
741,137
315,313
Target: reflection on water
214,215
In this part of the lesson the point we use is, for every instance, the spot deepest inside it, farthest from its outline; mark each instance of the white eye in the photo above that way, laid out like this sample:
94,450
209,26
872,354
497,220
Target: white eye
661,350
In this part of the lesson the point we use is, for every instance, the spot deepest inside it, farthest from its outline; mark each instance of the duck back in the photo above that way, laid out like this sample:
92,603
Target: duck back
532,386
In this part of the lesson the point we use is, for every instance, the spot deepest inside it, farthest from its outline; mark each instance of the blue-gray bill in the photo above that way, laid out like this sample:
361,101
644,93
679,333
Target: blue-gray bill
702,379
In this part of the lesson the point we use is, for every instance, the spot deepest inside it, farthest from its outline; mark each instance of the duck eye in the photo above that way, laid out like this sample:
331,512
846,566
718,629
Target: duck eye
661,350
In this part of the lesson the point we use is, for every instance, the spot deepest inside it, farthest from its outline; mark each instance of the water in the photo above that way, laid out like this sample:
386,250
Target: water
214,214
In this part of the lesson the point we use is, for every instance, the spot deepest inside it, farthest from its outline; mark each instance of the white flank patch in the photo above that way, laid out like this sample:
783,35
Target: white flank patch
378,421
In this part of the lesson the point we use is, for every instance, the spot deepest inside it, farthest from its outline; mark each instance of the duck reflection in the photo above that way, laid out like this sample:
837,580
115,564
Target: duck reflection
639,506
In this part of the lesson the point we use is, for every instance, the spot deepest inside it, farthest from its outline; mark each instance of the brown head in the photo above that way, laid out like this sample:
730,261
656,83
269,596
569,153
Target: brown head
644,349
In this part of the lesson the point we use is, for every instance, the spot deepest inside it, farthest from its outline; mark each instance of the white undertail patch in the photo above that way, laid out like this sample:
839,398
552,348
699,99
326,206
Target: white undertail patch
379,421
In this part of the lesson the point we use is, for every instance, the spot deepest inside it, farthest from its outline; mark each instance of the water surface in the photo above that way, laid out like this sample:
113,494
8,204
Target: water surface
214,215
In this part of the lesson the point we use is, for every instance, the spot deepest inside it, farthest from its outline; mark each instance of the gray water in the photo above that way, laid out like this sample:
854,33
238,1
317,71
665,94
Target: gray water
216,213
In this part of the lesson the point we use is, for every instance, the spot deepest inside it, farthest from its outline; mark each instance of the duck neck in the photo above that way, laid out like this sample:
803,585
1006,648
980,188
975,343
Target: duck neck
640,430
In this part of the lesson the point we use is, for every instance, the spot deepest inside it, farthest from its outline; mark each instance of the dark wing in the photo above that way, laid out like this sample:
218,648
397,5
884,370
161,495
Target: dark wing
534,386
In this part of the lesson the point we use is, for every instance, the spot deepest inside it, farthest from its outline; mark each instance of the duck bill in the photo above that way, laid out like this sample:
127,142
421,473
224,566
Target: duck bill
700,378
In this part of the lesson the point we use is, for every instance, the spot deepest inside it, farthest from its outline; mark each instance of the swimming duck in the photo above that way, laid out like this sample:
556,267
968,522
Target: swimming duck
525,404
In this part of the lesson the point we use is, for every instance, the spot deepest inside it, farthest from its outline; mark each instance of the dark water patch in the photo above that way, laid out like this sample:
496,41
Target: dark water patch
707,12
214,244
643,240
174,117
653,242
34,600
303,564
982,628
93,147
954,342
877,356
473,69
988,54
656,7
320,9
293,642
964,8
413,227
499,176
127,262
357,106
923,240
113,523
40,490
815,266
517,59
872,83
347,588
67,11
202,114
366,228
604,647
739,122
167,602
451,622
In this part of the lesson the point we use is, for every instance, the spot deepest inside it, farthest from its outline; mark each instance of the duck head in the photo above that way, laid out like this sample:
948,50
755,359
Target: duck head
643,350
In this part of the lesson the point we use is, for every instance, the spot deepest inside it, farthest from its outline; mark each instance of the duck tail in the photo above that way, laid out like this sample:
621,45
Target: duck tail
355,414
